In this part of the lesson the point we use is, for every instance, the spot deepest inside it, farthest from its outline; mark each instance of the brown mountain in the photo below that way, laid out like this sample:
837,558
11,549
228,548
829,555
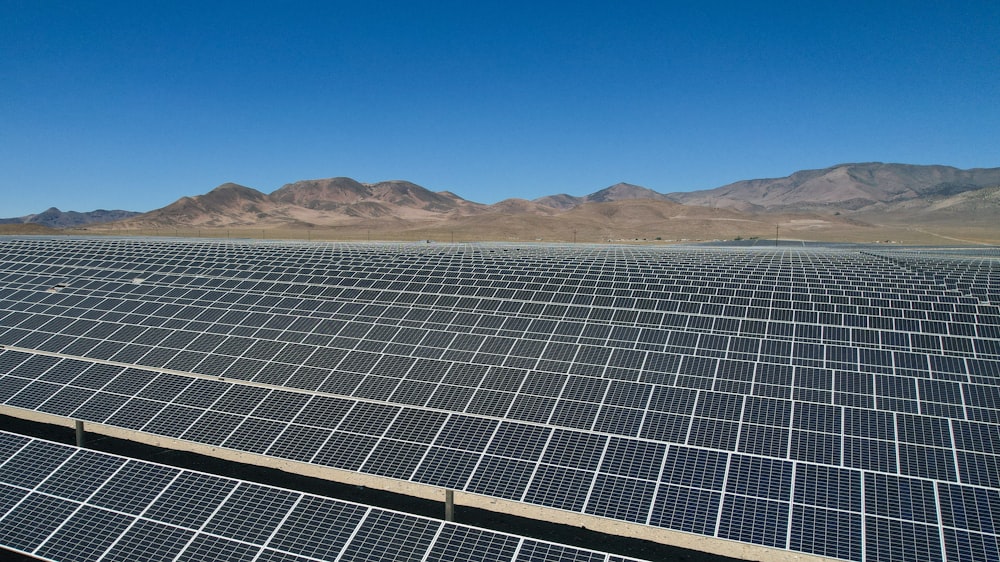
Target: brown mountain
406,194
845,188
225,205
617,192
322,194
516,206
326,202
979,207
624,192
351,198
560,202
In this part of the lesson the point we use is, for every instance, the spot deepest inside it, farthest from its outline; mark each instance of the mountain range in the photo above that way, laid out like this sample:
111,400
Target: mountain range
865,188
54,218
846,196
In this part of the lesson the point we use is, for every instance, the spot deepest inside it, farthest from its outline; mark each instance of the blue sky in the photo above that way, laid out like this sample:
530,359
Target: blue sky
134,104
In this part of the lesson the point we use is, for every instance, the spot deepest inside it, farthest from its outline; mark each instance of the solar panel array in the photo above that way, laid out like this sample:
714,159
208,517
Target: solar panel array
63,503
834,402
971,271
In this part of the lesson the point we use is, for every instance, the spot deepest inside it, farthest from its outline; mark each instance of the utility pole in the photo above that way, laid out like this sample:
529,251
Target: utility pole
775,236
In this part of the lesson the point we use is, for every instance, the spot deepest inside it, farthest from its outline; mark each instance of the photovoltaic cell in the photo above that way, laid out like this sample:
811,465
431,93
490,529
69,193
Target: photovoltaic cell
31,522
189,500
86,535
389,536
133,487
456,544
318,527
251,513
32,464
149,540
80,475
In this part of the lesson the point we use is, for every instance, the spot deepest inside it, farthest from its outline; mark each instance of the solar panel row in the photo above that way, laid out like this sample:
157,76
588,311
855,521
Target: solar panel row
954,269
62,503
175,405
164,337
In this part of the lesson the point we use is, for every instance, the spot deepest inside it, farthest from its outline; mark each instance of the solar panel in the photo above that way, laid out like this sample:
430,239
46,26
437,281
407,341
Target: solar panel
621,383
79,505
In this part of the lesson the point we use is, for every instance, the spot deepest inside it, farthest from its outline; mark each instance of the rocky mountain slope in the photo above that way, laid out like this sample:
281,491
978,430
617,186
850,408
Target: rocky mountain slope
617,192
870,187
333,201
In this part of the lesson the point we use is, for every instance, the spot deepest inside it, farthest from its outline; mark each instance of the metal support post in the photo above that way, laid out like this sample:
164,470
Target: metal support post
449,505
80,440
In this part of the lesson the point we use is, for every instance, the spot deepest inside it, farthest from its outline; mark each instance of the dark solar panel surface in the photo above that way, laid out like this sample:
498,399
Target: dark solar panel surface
86,505
791,397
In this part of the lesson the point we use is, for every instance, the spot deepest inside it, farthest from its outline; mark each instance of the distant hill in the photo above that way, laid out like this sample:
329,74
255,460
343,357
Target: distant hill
326,202
617,192
229,203
869,187
54,218
347,196
974,207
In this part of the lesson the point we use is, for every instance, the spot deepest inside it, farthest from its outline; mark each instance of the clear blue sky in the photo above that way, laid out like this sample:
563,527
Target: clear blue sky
134,104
